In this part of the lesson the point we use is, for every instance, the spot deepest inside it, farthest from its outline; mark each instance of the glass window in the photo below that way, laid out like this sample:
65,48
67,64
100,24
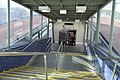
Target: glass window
105,20
44,34
19,21
45,19
36,20
3,23
116,39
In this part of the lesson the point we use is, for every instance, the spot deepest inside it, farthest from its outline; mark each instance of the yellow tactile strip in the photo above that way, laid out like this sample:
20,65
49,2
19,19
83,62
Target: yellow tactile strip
37,73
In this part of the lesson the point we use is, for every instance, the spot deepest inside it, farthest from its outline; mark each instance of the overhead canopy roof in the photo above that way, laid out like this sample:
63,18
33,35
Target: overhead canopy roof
70,5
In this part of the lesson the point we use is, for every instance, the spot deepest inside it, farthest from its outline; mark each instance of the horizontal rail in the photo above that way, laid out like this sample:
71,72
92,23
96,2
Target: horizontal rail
24,53
60,46
50,53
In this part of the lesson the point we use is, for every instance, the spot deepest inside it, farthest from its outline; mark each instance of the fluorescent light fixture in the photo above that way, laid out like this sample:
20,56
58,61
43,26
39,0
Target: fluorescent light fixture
77,20
59,20
80,9
63,11
44,8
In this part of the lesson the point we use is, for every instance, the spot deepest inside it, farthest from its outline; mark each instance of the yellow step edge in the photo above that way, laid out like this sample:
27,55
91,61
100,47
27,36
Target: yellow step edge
24,68
15,75
26,74
11,78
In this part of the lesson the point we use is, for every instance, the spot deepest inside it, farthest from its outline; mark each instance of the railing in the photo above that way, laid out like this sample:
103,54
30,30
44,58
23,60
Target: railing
99,51
102,39
78,58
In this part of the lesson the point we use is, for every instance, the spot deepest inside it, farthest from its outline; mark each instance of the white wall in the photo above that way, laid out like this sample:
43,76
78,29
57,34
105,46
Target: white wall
77,25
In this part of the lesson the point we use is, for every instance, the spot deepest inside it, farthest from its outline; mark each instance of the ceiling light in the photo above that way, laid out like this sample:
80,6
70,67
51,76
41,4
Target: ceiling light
77,20
80,9
63,11
59,20
44,8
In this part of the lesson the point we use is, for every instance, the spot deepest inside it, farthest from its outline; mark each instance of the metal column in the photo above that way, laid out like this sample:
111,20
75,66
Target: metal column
86,31
30,27
85,36
98,27
8,23
48,28
112,27
91,30
45,63
41,25
53,32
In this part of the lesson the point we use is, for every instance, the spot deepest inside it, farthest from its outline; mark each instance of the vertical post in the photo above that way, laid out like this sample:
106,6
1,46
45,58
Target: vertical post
45,63
98,26
85,32
48,29
84,39
8,23
91,30
30,27
87,29
112,27
41,26
88,26
53,32
56,65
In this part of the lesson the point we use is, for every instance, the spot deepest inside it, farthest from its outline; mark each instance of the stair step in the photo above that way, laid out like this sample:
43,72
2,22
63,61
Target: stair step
30,72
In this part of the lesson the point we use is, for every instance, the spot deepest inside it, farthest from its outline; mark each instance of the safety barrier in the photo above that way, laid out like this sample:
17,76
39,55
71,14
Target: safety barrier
8,62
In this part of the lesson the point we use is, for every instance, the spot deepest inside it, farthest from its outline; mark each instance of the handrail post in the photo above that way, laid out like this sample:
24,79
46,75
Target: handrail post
59,49
45,63
113,74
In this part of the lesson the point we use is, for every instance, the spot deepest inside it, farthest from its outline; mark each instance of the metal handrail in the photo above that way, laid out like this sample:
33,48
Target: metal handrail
50,53
24,53
59,48
55,53
115,66
28,45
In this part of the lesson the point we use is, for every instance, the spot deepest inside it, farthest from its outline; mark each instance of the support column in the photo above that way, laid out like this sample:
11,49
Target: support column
88,31
112,27
8,23
30,28
53,32
41,26
91,30
97,27
85,31
85,37
48,28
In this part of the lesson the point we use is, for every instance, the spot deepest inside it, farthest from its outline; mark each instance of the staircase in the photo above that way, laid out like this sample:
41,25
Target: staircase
38,73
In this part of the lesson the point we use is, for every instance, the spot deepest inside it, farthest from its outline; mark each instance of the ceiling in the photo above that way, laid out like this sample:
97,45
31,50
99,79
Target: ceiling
69,5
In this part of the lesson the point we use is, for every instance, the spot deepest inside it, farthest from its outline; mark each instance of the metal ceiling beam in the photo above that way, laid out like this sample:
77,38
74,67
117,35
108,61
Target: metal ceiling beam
65,2
69,5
